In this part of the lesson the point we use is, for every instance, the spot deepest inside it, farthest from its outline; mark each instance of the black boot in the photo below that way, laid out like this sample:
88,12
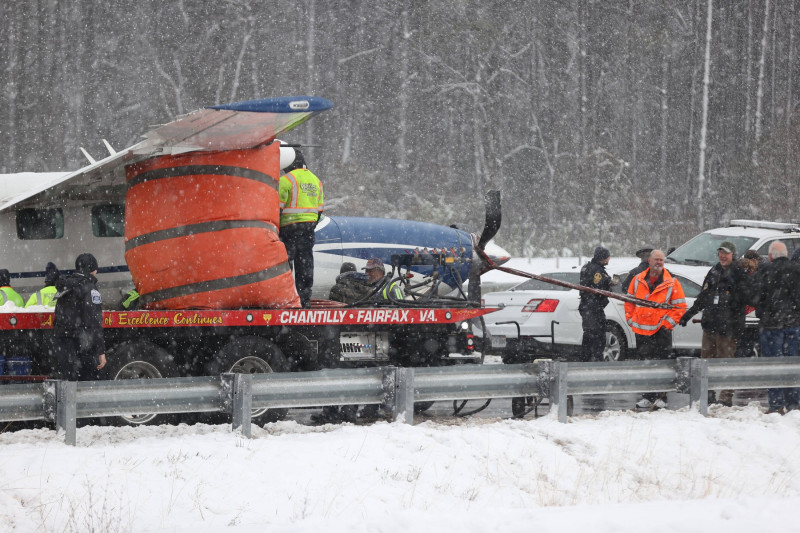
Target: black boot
329,415
348,413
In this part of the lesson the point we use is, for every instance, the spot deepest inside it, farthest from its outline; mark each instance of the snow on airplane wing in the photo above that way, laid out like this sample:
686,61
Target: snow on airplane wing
223,127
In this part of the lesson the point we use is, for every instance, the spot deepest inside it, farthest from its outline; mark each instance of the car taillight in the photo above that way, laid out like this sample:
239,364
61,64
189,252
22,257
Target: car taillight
539,305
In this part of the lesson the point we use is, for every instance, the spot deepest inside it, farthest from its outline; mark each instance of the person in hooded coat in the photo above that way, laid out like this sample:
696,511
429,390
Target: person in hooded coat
46,295
79,350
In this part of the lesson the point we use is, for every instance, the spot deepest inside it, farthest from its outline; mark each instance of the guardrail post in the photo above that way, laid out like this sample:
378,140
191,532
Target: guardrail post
237,400
544,369
61,406
398,393
698,385
683,373
558,389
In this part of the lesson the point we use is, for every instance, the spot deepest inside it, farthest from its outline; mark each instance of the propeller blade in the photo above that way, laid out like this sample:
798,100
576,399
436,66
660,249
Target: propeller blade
493,218
480,261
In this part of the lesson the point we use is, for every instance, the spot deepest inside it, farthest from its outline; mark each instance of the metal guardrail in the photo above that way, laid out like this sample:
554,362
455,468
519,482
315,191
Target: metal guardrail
396,389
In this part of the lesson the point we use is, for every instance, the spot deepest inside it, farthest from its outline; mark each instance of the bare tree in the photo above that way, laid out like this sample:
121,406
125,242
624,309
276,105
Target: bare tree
748,78
760,89
11,89
701,177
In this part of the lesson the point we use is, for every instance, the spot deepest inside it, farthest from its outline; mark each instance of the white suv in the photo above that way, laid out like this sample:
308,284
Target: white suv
745,234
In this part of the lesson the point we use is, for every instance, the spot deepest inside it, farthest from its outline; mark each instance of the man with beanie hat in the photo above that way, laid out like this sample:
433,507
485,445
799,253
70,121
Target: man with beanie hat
78,347
723,301
7,294
591,308
46,296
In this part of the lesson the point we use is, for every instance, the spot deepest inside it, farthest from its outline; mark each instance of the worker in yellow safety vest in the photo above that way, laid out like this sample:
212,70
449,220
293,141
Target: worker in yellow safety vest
47,295
376,274
7,294
302,202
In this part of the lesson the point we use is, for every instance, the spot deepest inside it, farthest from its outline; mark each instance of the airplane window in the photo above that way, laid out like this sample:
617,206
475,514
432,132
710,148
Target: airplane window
108,220
37,224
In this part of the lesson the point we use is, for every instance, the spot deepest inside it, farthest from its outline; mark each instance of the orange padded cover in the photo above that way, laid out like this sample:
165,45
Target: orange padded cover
201,231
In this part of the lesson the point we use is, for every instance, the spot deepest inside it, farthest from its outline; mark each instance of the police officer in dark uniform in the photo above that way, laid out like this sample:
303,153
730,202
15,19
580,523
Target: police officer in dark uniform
594,275
79,350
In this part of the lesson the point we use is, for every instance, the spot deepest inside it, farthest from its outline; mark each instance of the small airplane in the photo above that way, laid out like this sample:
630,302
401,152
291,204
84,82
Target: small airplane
55,216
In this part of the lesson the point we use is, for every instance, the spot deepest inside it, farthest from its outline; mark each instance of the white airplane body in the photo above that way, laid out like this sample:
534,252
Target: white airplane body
56,216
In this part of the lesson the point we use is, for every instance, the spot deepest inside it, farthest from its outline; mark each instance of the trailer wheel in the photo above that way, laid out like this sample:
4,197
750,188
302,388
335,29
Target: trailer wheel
140,360
251,355
521,405
421,407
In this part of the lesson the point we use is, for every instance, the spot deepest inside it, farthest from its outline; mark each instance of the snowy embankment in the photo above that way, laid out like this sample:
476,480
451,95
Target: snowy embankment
618,471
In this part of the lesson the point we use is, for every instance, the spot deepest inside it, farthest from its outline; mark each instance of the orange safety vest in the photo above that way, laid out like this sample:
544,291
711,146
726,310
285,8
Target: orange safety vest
648,320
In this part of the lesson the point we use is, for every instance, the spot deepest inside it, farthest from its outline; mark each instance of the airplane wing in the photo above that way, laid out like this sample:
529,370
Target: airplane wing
224,127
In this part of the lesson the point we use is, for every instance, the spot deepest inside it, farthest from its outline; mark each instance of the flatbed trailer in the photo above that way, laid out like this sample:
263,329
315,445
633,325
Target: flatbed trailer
152,344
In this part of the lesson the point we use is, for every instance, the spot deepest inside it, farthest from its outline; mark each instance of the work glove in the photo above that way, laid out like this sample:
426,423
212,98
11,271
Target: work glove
684,320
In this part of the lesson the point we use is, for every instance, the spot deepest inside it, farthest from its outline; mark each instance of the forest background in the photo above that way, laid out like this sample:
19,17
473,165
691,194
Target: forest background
616,121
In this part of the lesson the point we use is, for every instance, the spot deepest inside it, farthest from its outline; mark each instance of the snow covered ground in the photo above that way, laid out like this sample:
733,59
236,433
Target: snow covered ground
735,471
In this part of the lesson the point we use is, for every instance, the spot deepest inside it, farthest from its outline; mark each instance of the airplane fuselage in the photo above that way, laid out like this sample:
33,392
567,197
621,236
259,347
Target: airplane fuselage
32,236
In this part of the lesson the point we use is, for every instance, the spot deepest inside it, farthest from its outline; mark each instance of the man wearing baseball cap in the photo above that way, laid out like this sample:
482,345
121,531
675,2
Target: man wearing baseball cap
375,274
722,300
642,253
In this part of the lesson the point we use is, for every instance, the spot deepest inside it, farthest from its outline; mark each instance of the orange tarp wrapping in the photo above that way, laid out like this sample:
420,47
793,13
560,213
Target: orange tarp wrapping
201,231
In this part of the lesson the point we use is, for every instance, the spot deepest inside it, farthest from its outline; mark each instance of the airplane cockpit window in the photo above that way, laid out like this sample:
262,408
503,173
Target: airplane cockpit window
108,220
35,224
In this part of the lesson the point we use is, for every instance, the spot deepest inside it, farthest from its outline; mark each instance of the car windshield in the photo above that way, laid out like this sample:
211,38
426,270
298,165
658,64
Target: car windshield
702,250
538,285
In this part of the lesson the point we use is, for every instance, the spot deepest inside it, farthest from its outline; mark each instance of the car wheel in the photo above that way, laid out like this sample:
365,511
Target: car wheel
616,346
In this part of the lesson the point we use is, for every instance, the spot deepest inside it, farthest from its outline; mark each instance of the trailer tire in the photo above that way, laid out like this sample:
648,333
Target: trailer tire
520,405
421,407
251,355
140,360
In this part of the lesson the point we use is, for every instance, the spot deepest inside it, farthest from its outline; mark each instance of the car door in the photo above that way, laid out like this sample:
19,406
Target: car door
691,336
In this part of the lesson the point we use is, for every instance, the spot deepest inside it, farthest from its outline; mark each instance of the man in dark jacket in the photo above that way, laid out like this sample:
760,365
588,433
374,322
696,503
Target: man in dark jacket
594,275
643,254
777,301
78,347
723,301
351,286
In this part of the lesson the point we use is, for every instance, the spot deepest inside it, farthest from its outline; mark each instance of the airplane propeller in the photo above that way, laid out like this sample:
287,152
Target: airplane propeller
480,261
